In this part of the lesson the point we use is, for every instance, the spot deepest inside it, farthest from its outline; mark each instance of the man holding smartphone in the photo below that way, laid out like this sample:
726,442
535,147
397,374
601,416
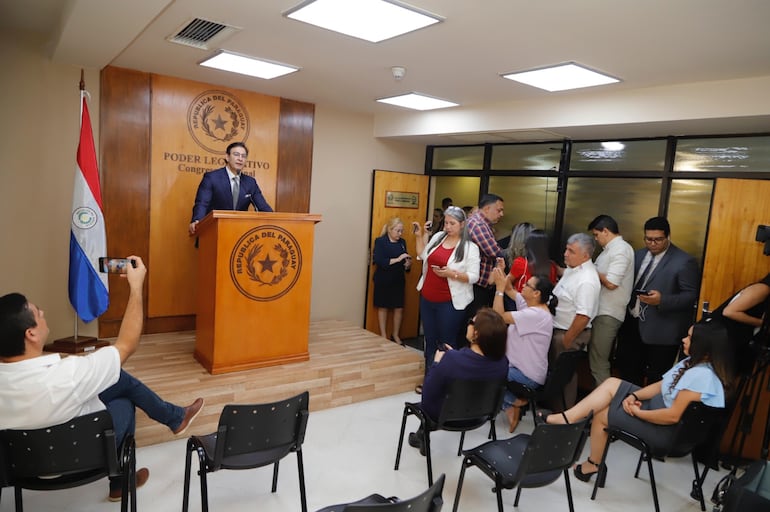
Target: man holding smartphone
661,308
38,390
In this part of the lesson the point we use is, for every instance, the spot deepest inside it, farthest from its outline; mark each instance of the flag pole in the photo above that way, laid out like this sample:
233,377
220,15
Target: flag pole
76,343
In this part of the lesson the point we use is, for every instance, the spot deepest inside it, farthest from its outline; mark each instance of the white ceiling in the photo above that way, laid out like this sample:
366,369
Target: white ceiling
718,49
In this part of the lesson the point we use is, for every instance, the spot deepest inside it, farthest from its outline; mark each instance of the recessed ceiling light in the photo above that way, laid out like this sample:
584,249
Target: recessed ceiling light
417,101
228,61
371,20
561,78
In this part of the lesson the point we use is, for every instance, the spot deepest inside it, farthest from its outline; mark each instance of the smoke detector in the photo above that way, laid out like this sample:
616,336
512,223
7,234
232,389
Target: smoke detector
398,72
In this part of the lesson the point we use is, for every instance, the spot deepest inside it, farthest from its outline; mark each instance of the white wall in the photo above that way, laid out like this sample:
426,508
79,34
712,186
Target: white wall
344,155
40,104
39,101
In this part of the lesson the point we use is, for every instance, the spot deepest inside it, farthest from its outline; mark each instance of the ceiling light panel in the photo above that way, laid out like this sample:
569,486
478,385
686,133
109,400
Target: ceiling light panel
228,61
417,101
561,78
371,20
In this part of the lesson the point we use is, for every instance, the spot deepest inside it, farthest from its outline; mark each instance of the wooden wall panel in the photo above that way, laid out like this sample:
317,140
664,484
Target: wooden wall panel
186,142
125,169
733,258
126,148
295,157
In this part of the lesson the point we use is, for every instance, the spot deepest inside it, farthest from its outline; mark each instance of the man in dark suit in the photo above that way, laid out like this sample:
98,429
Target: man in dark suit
657,319
228,188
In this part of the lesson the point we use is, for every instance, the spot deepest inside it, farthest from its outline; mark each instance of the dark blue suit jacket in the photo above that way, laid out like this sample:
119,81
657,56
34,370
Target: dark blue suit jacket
215,193
676,278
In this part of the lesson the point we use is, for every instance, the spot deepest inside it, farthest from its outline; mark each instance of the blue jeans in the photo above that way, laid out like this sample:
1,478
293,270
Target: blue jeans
129,392
121,400
515,375
440,323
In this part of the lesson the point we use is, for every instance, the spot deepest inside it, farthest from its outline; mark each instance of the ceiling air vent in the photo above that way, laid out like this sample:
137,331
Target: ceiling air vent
203,34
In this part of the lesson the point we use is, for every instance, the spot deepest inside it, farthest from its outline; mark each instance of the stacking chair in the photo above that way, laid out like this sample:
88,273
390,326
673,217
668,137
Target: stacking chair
71,454
691,430
4,482
559,375
468,405
526,461
251,436
428,501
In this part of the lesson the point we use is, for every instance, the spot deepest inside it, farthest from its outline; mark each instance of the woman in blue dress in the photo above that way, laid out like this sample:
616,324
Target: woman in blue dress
652,411
392,261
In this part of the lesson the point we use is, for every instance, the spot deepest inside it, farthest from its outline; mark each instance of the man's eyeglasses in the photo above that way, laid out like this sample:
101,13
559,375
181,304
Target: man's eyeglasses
239,155
530,287
658,240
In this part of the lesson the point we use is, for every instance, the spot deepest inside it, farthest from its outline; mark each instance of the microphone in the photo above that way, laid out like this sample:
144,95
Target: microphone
251,200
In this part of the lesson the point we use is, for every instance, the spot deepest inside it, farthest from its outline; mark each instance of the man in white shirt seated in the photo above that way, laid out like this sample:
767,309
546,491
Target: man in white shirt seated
39,390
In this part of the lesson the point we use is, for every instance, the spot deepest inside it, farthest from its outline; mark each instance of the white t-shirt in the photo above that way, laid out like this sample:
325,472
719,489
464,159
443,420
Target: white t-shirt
49,389
578,293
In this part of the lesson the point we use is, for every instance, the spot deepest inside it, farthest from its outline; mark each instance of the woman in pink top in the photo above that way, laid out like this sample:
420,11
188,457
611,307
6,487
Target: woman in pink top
529,334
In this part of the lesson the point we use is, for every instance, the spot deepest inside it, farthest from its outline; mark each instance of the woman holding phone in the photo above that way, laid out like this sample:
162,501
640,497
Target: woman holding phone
450,267
392,260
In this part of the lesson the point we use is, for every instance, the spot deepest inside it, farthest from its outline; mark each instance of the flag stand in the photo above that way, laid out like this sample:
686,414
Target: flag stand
76,344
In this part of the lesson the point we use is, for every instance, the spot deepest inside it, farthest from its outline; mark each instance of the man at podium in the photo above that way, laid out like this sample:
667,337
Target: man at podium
228,188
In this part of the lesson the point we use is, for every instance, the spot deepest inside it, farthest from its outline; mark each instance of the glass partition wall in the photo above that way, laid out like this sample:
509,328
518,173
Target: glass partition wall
560,186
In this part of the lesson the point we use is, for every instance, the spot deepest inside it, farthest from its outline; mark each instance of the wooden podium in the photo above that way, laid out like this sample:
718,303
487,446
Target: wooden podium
254,279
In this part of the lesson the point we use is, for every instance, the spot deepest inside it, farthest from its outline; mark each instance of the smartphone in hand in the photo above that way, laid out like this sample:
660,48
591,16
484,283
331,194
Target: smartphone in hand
641,292
115,265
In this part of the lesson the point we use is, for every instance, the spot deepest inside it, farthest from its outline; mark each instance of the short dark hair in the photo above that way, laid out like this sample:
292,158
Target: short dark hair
658,224
604,221
487,199
15,319
447,201
236,145
492,333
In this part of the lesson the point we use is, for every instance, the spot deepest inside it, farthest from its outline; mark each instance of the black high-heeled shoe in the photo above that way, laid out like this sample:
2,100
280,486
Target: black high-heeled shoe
541,415
586,477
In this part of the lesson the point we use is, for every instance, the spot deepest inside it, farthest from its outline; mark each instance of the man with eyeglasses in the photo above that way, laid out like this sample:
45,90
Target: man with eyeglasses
228,188
661,308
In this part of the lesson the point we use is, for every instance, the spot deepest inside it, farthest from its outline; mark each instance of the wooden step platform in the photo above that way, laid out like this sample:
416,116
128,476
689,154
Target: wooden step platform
347,364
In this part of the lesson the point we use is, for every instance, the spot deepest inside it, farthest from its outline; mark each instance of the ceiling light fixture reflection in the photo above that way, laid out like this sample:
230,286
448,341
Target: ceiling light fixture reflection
228,61
417,101
613,146
371,20
562,77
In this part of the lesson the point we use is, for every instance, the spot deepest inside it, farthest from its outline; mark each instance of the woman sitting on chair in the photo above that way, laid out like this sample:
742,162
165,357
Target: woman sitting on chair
651,412
483,360
529,334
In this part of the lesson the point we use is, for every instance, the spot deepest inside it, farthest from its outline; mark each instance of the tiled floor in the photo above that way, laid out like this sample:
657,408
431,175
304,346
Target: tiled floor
349,452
